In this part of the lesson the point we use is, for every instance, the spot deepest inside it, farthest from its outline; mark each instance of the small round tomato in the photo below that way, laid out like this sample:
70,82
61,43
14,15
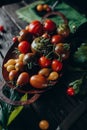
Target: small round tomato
70,91
15,39
57,65
65,55
24,47
46,35
39,7
13,74
38,81
53,76
23,79
59,48
44,71
49,25
63,30
44,125
44,62
36,28
19,66
56,39
1,28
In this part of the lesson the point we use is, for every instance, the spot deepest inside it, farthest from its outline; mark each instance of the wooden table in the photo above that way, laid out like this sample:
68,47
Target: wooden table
54,105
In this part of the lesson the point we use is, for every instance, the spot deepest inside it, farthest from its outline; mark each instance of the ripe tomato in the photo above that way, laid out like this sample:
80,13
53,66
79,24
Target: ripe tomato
63,30
57,65
44,125
38,81
59,48
23,79
70,91
49,26
24,47
13,74
36,28
56,39
44,62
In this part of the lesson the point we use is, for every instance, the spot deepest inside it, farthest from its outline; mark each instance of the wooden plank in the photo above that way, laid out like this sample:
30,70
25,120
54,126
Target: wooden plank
10,10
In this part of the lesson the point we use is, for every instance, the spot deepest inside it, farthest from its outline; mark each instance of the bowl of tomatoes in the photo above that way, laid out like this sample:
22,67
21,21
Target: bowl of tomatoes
35,62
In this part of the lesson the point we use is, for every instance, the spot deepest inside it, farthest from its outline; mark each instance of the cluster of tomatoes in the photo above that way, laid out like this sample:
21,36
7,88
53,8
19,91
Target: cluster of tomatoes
42,52
43,7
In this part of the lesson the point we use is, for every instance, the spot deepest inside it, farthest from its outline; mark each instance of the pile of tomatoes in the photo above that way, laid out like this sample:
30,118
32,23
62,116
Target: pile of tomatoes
42,52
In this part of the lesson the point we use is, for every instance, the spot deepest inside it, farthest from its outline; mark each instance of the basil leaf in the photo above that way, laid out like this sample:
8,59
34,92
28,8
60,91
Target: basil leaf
16,111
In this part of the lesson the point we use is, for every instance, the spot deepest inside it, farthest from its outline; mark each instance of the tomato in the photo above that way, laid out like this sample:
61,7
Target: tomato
29,57
39,7
44,125
63,49
13,74
1,28
15,39
46,35
70,91
59,48
45,72
10,67
24,47
23,79
44,62
65,55
49,26
56,39
53,76
38,81
57,65
36,28
63,30
19,66
25,35
10,62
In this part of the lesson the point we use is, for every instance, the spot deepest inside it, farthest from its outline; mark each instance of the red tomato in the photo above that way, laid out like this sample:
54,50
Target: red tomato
38,81
56,39
36,28
57,65
44,62
24,47
70,91
1,28
49,26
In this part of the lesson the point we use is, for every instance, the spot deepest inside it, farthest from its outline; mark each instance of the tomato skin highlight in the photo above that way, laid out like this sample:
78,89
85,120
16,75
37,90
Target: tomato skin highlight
57,65
49,26
24,47
38,81
35,28
44,62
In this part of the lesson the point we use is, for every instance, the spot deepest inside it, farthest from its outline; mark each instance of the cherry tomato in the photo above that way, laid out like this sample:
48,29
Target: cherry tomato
59,48
63,30
36,28
44,125
70,91
57,65
1,28
49,25
23,79
45,72
15,39
39,7
25,35
13,74
53,76
19,66
56,39
24,47
46,35
38,81
65,55
44,62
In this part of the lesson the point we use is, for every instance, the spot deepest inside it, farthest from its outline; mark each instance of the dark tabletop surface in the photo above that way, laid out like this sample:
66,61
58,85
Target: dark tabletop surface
54,105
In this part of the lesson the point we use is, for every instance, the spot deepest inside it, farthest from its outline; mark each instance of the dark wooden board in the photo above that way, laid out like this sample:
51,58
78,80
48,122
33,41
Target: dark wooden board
53,105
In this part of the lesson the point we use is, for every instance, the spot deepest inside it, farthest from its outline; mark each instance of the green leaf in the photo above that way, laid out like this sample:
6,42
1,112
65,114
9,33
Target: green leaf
16,111
80,56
